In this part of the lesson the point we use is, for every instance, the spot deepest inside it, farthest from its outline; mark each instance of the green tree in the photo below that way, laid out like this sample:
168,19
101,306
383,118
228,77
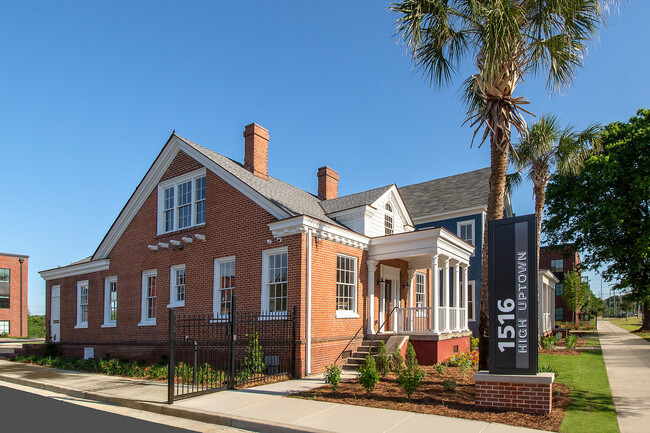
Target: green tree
594,305
547,147
605,209
505,40
575,293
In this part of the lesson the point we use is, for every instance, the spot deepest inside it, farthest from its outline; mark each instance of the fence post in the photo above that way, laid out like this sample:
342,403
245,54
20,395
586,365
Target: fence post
233,341
293,344
170,368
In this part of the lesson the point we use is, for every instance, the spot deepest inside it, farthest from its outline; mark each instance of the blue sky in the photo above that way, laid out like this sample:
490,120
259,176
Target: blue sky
92,90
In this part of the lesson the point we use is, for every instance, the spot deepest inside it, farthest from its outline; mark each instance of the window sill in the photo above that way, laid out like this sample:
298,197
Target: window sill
344,314
147,323
176,304
109,325
81,326
183,230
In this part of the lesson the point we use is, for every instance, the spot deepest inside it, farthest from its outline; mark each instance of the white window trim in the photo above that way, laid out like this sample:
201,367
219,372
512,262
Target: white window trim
349,314
172,287
265,293
415,292
216,299
81,284
108,323
471,286
192,176
471,222
143,311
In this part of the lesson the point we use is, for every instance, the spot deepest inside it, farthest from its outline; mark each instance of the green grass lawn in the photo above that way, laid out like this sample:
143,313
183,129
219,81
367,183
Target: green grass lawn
591,408
630,324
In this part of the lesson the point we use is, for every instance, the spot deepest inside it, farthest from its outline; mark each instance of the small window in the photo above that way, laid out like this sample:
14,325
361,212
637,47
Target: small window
275,276
177,286
559,289
466,231
559,313
5,287
346,283
420,290
149,297
181,202
388,219
82,304
224,287
4,327
5,275
110,301
471,314
557,265
200,200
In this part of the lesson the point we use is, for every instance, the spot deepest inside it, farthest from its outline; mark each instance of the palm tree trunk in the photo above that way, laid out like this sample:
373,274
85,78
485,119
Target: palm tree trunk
539,189
498,169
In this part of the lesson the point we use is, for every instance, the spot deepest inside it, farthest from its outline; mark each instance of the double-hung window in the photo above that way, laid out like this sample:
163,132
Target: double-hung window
420,290
224,286
148,298
110,302
388,219
181,202
465,231
82,304
559,289
346,286
557,265
177,286
5,287
471,314
275,280
4,327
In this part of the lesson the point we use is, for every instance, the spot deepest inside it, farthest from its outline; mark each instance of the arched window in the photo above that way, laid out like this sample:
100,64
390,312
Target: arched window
388,219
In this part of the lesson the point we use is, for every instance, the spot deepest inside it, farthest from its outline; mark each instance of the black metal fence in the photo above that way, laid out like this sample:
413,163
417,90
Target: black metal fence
208,354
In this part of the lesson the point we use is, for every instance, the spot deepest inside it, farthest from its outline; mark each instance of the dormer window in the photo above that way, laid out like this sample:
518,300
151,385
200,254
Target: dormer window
388,219
181,202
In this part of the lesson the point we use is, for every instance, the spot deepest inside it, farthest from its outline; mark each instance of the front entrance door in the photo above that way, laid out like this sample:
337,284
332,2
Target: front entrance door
55,314
388,304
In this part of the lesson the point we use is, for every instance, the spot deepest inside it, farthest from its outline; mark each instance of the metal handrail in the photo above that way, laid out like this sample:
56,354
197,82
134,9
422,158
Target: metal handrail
382,325
347,345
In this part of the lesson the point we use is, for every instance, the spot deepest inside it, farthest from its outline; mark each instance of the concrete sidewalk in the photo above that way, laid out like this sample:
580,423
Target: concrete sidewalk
262,409
627,359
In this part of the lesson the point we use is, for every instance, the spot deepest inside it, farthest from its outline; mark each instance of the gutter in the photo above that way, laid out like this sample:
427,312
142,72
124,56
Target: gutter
308,308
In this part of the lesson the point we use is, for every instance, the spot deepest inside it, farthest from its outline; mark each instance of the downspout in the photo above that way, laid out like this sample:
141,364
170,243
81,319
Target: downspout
21,260
308,308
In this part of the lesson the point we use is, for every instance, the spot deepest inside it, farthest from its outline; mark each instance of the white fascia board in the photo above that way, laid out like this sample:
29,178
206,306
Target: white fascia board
546,273
72,270
320,229
151,180
400,204
422,242
346,214
448,215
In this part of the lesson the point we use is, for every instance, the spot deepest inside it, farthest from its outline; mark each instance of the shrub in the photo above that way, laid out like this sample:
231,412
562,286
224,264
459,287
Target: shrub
397,360
382,361
51,349
440,368
548,369
368,375
449,385
548,342
333,375
4,335
473,343
571,341
254,361
558,338
410,379
411,357
464,364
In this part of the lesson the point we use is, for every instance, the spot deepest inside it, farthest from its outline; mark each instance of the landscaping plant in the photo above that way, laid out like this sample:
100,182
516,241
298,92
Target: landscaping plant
397,360
333,375
473,343
449,385
548,342
571,341
411,357
382,361
410,379
547,369
440,368
254,361
368,375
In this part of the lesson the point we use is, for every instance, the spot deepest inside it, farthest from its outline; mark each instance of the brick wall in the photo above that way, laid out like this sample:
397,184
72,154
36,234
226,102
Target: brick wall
13,313
533,398
430,352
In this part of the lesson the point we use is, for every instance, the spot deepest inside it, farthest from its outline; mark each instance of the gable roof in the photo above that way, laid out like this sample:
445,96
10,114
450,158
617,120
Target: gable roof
353,200
448,194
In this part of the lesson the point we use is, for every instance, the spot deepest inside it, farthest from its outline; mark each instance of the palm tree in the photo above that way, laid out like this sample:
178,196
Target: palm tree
506,40
547,146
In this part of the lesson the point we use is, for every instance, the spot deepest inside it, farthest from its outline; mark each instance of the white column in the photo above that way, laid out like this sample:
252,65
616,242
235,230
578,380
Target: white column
457,296
445,293
411,273
435,293
465,296
372,267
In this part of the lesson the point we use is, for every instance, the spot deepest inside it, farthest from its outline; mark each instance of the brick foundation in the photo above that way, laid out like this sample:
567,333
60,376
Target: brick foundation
434,349
529,394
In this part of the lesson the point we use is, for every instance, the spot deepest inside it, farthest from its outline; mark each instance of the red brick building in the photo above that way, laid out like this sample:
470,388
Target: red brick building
13,294
559,260
201,226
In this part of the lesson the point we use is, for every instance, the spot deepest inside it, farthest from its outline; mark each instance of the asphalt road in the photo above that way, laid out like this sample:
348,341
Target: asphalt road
45,412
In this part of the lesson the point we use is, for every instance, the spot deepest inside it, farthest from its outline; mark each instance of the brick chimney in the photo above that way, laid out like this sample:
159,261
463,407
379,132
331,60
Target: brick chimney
256,141
328,183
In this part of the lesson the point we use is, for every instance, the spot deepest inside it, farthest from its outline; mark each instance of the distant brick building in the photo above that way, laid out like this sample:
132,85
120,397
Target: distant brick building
200,227
559,260
13,294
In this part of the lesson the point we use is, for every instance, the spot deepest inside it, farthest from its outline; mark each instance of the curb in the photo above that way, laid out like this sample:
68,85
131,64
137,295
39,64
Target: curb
165,409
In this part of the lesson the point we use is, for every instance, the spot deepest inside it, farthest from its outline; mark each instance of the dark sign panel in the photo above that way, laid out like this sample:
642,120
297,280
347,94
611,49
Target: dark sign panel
512,270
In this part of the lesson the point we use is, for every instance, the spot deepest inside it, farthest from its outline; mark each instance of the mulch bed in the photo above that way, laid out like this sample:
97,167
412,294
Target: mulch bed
431,398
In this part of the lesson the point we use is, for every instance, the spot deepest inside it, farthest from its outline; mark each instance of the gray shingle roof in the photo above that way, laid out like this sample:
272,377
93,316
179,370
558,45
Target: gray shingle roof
353,200
447,194
291,199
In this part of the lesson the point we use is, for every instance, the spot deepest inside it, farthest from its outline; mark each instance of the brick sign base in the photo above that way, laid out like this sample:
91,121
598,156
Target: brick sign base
529,394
